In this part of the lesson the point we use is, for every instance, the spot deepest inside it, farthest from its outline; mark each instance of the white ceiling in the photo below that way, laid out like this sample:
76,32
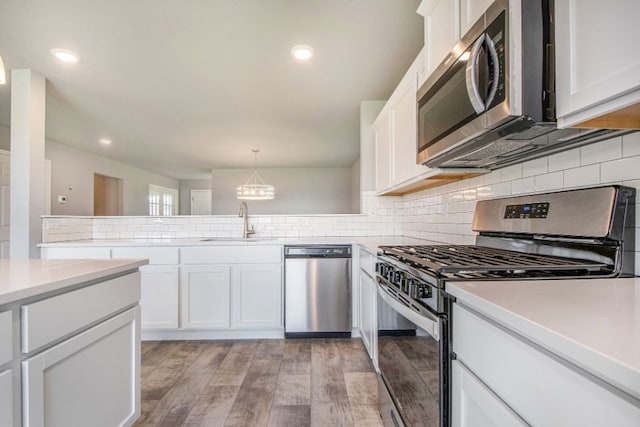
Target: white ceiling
185,86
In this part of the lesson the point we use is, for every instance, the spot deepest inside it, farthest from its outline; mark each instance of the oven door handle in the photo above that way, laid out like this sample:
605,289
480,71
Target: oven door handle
426,321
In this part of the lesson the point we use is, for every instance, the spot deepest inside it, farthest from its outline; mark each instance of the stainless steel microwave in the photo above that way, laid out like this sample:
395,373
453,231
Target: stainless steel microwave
491,102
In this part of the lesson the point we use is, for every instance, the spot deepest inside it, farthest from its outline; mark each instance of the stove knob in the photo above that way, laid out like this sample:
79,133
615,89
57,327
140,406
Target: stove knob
389,273
398,278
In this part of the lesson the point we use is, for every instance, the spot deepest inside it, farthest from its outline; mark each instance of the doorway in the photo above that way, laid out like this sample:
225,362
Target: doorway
107,195
200,202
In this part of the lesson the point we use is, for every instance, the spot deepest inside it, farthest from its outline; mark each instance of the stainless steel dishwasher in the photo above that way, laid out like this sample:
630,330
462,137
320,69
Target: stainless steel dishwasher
317,291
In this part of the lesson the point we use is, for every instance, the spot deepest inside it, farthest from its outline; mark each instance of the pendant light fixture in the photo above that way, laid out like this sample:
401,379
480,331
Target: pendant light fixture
255,188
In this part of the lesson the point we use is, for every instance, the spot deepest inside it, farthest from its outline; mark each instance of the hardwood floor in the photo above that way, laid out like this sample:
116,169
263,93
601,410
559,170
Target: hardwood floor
319,382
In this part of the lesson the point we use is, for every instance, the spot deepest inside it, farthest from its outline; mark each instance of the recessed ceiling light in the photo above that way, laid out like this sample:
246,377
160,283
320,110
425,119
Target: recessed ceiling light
65,55
105,141
302,52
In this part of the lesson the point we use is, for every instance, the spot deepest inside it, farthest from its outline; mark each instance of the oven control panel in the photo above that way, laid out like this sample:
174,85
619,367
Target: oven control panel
527,210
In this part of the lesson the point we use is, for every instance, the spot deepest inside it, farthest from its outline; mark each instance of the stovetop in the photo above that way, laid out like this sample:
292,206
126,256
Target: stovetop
468,262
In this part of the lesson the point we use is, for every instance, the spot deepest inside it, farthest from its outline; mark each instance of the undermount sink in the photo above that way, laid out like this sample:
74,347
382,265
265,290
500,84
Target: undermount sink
237,239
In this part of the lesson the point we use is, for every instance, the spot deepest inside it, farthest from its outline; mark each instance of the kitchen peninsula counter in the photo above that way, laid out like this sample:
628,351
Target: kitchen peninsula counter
23,279
593,324
371,242
69,335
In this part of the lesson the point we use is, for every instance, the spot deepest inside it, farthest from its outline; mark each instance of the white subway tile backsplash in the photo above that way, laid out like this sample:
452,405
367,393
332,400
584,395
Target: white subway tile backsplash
582,176
620,170
549,181
524,185
492,177
631,144
601,151
535,167
511,172
565,160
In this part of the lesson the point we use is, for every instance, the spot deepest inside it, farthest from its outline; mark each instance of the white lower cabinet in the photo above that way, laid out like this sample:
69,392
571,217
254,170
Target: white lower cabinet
243,296
160,296
204,296
6,398
367,299
474,405
367,312
542,389
256,296
80,382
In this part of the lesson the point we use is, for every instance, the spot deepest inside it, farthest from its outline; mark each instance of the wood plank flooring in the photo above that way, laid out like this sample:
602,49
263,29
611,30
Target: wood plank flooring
318,382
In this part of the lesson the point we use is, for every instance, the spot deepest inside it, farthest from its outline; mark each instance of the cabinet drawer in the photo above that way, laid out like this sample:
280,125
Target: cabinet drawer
53,318
79,253
6,337
232,254
155,255
540,388
367,261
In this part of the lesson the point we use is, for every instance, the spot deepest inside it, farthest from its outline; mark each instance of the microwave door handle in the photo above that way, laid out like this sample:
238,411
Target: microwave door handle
495,65
472,77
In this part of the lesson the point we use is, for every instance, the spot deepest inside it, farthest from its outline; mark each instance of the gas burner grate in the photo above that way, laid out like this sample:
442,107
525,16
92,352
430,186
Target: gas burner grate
481,262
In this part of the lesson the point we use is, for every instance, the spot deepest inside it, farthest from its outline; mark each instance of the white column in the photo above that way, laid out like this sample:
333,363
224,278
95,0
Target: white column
27,162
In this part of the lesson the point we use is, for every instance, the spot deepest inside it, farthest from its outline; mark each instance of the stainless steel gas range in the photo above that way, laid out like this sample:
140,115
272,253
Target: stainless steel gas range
582,233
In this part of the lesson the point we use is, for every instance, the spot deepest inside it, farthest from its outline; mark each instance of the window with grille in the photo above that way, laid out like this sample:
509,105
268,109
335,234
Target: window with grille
163,201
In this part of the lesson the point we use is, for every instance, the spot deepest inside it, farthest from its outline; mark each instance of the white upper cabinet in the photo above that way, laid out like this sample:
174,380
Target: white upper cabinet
382,140
395,134
470,11
597,63
403,130
441,32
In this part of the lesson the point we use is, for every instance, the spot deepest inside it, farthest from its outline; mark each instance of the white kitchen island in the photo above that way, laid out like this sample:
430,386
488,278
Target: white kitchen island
69,342
546,352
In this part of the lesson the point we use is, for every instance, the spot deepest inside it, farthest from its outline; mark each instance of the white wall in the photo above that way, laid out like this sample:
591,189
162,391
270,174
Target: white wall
355,187
5,140
72,176
186,186
298,191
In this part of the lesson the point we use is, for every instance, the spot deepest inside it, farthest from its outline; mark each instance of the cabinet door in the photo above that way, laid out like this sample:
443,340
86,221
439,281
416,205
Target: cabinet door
83,381
204,295
441,31
257,296
367,311
6,398
382,138
596,69
470,11
542,388
403,131
474,405
160,297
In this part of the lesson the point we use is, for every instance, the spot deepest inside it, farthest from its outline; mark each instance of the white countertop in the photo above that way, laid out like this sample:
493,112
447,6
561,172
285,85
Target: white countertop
371,242
593,323
20,279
